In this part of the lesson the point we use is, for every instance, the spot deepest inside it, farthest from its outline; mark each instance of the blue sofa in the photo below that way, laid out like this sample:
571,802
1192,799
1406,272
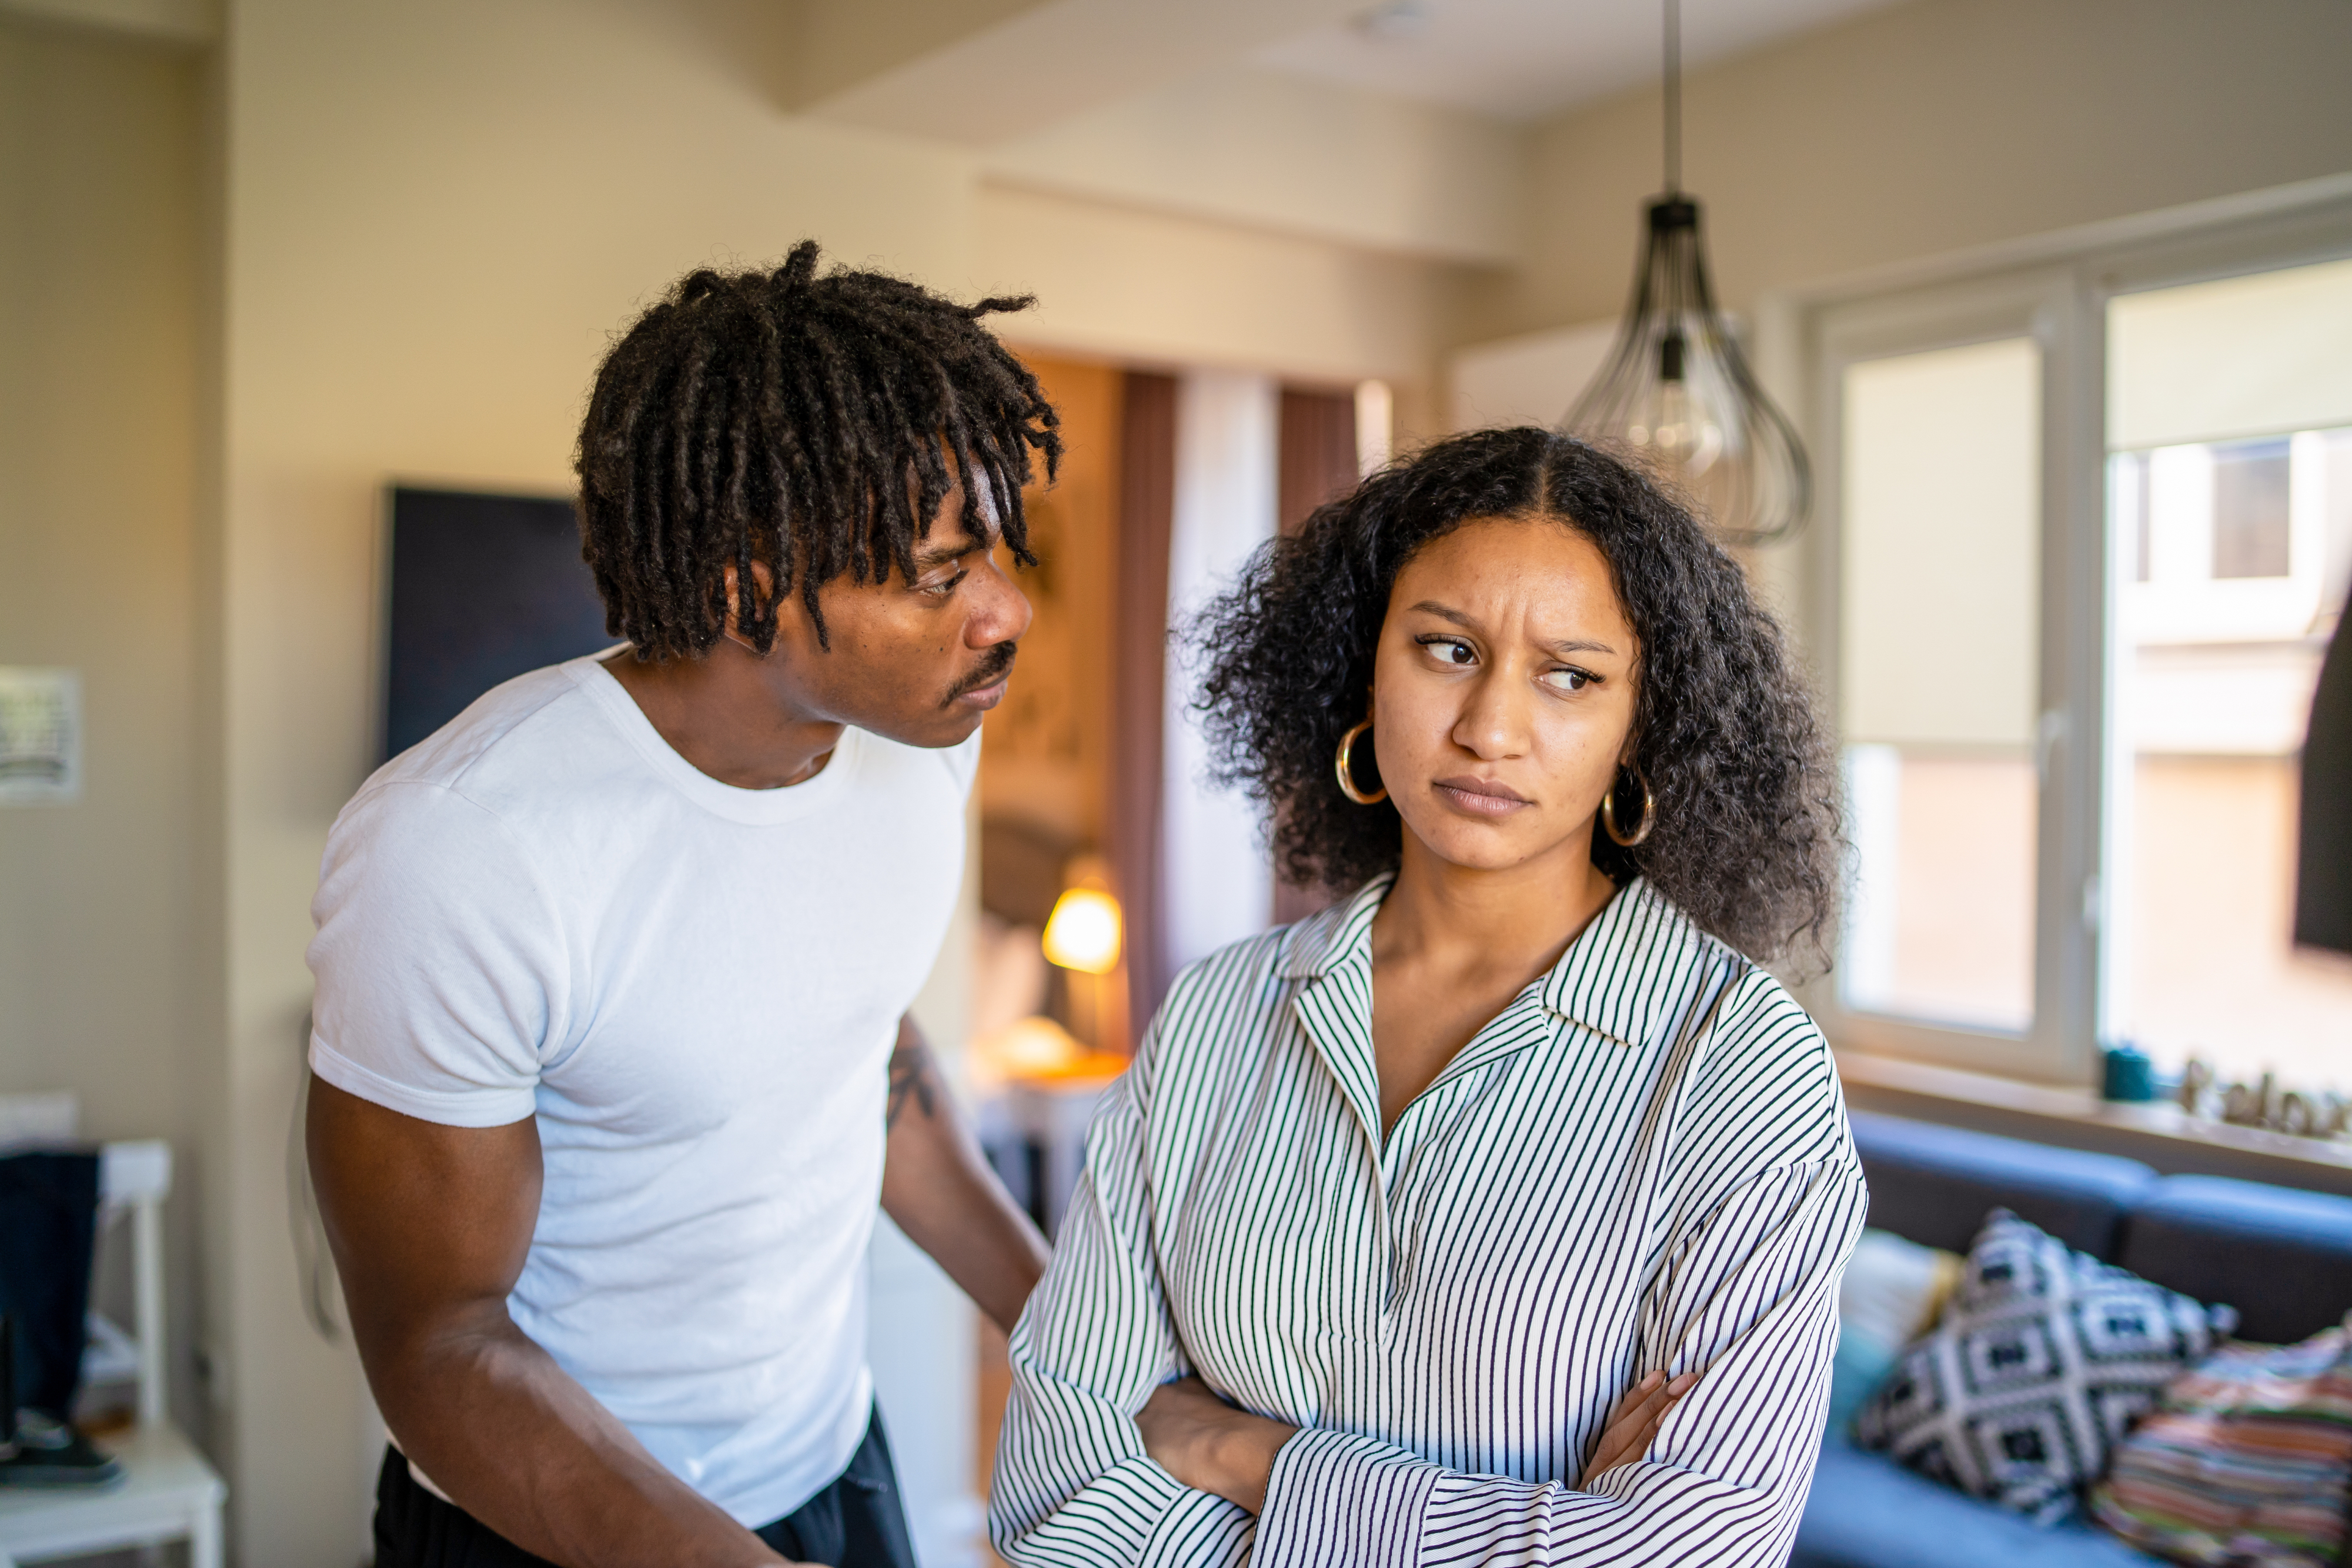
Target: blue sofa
2282,1257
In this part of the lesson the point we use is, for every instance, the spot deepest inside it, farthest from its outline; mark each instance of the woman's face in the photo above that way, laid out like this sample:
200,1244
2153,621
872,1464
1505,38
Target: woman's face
1503,693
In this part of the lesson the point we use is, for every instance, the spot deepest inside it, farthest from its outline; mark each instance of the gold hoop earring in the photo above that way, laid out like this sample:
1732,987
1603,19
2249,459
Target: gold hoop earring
1347,769
1609,813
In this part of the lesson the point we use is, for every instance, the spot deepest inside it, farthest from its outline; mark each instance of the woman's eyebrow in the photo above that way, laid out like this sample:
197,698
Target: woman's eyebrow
1447,612
1565,645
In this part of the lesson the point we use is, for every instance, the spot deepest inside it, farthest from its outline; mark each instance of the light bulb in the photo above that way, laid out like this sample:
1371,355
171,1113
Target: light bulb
1083,932
1683,433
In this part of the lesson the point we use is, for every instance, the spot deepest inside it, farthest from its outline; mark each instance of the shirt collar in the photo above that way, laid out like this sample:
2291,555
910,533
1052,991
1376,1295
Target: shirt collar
1615,979
1331,937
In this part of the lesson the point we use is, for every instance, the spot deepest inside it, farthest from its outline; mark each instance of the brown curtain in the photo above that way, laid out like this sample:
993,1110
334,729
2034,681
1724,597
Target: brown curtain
1318,460
1318,464
1146,509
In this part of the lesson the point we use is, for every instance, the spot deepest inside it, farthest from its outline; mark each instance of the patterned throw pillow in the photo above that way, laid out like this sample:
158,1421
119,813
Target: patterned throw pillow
2248,1460
1892,1293
2044,1357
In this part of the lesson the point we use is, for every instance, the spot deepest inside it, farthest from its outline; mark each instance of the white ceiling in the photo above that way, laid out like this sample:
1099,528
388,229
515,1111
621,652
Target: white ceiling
1520,59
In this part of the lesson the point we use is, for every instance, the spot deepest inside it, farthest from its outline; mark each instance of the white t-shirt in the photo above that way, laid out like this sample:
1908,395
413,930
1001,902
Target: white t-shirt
544,911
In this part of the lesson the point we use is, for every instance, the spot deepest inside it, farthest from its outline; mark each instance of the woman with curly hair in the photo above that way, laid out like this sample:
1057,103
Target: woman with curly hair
1494,1214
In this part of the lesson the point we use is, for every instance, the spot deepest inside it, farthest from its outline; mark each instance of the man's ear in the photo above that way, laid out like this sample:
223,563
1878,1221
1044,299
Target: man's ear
764,585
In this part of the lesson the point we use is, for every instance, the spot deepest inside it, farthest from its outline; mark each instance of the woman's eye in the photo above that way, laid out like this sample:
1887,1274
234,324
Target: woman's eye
1569,680
1448,651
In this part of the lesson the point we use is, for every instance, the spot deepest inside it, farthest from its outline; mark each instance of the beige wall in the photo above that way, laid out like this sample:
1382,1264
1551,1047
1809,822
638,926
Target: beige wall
1933,127
1129,283
98,338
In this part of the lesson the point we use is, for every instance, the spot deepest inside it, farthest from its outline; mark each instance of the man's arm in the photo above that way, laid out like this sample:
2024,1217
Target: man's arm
936,1185
429,1226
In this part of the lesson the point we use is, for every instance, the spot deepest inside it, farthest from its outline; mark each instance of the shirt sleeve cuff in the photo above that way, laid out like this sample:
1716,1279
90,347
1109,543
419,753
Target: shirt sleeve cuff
461,1108
1135,1512
1334,1498
1198,1529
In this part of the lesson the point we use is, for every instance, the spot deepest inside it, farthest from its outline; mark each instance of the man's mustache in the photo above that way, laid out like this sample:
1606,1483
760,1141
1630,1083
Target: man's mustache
991,669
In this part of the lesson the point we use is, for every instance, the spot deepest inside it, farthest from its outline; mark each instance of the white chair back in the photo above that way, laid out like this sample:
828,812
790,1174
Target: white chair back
134,1178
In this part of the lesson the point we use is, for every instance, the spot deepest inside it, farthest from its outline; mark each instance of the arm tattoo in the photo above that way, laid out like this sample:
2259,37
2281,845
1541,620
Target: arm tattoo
911,1078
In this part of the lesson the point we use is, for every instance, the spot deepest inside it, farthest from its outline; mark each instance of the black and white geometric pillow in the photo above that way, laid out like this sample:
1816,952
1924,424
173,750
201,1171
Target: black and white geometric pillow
2043,1358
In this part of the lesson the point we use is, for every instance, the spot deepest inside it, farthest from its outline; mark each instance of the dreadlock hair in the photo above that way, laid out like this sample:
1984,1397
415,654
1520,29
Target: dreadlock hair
810,425
1749,842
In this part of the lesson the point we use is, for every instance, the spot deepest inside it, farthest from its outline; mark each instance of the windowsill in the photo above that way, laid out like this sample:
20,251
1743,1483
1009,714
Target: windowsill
2160,1134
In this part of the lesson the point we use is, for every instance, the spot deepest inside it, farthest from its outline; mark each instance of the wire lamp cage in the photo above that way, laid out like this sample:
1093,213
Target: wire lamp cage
1676,391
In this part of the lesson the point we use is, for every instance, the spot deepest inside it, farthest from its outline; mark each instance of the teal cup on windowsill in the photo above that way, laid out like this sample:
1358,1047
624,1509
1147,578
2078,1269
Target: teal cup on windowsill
2129,1076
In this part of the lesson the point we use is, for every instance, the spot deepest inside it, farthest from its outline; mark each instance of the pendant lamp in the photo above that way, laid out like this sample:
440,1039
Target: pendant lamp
1676,391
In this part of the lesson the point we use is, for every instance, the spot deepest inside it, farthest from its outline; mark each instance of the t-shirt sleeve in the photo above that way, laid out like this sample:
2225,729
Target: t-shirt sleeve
439,960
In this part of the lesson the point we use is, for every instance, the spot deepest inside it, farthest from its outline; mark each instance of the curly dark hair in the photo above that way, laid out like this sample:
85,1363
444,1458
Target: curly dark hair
811,424
1748,842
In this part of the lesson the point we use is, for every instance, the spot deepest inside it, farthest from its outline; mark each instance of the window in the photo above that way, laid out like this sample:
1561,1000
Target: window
2086,529
1942,557
2241,498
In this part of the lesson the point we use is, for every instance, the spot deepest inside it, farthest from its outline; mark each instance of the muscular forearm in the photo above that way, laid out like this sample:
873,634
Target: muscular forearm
430,1226
936,1187
522,1447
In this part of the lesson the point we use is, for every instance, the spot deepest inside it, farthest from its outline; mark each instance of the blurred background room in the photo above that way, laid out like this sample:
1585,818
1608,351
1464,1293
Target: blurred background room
298,305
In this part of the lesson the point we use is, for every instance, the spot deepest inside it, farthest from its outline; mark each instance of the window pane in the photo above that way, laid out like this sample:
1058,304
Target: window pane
2250,509
2230,491
1942,545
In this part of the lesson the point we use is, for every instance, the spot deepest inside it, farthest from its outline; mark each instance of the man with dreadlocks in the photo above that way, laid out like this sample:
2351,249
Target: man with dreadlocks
610,1058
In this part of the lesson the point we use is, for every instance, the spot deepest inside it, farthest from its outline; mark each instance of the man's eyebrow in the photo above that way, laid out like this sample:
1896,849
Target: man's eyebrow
953,550
1565,645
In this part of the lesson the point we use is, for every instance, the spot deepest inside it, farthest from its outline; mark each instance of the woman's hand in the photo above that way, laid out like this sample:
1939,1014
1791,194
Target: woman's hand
1208,1444
1635,1422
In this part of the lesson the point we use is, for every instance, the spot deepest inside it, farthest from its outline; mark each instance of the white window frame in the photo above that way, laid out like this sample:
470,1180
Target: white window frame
2056,289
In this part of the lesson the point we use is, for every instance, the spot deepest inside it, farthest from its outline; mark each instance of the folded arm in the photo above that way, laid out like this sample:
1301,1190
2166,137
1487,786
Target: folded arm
1749,1302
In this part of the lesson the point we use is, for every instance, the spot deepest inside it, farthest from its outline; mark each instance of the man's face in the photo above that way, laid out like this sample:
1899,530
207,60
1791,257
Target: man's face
917,662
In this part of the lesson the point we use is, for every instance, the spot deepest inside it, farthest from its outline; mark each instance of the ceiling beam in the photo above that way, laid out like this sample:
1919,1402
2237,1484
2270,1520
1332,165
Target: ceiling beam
1272,151
981,72
839,44
185,22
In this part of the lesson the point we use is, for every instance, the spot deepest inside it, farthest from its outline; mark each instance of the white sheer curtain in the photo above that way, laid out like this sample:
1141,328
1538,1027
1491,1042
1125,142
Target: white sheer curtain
1218,885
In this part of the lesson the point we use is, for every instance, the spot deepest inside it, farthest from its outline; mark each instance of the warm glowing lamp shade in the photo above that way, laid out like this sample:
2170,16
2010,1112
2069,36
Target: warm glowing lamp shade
1083,931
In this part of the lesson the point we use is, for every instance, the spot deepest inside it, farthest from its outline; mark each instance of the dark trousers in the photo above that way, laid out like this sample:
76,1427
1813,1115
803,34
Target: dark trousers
48,1220
855,1522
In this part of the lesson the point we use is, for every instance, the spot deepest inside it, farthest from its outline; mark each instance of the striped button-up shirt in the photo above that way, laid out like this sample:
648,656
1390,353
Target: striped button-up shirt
1641,1164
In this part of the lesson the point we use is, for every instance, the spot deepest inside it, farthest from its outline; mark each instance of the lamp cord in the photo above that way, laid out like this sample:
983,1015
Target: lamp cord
1673,97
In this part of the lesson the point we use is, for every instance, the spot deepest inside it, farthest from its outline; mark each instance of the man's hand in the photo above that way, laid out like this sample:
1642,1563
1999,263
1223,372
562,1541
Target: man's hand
1634,1424
430,1226
936,1185
1208,1444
